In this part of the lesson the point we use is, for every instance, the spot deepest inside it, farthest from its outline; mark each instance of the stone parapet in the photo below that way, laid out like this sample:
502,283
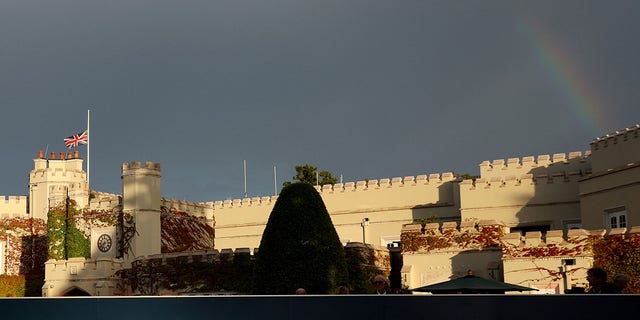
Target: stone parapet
96,277
13,206
616,150
543,164
243,203
448,237
196,209
104,201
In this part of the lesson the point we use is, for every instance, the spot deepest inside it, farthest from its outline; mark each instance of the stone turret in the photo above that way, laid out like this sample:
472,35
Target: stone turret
63,172
141,200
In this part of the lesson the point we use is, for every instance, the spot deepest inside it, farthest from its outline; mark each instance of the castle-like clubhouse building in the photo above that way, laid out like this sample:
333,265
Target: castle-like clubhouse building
539,202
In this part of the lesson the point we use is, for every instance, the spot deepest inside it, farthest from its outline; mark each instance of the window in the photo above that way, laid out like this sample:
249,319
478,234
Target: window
616,218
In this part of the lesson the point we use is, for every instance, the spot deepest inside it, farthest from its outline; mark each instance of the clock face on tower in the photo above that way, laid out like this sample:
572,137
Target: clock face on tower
104,242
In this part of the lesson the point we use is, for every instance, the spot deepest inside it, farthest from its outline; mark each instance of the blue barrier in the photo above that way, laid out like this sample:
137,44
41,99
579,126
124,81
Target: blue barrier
432,307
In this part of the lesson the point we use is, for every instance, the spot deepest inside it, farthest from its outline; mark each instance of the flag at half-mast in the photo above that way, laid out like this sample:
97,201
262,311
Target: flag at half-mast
76,139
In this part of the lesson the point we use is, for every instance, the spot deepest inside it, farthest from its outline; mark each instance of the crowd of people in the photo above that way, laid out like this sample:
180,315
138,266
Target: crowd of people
597,278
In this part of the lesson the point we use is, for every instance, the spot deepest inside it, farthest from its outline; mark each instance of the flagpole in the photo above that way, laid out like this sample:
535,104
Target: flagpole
88,151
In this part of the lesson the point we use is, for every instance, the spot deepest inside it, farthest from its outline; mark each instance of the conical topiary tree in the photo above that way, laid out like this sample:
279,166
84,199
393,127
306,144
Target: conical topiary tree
299,246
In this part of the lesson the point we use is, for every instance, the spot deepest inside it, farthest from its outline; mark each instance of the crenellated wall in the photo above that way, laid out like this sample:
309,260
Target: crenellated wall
96,277
226,271
614,186
104,201
240,222
616,149
436,253
551,264
197,209
397,192
187,272
56,172
384,204
439,252
541,165
526,192
13,206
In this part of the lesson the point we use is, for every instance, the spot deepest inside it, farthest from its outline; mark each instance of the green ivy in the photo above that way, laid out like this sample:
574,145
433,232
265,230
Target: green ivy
65,239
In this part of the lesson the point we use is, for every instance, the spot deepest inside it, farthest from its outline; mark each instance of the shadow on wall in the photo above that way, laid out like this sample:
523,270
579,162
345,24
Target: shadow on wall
555,203
446,208
32,259
541,198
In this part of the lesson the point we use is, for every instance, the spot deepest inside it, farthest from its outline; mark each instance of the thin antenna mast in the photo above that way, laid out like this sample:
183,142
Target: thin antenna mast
245,177
275,181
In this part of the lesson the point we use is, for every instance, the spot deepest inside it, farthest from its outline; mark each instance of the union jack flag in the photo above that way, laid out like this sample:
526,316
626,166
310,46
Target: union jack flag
76,139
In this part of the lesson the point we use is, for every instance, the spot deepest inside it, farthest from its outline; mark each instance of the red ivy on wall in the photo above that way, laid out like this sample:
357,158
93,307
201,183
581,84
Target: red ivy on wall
482,237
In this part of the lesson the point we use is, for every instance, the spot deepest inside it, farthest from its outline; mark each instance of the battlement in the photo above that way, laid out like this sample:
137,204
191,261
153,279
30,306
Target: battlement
139,165
575,243
616,150
451,237
490,233
190,256
196,209
433,179
104,201
13,206
245,202
616,137
97,277
98,266
527,179
397,182
572,163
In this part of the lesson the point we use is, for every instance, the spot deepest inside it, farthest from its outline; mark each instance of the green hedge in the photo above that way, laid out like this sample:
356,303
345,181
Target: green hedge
299,246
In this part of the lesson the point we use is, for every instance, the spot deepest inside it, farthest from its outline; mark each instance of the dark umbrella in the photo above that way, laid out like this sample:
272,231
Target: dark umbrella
472,284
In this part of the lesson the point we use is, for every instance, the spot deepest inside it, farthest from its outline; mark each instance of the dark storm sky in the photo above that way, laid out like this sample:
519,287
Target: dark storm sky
363,89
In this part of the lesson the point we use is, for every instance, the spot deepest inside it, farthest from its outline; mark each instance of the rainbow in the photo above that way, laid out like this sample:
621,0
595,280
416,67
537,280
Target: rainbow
565,73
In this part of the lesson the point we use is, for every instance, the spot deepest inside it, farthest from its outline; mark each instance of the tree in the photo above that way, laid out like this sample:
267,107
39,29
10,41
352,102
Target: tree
299,246
308,174
465,176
